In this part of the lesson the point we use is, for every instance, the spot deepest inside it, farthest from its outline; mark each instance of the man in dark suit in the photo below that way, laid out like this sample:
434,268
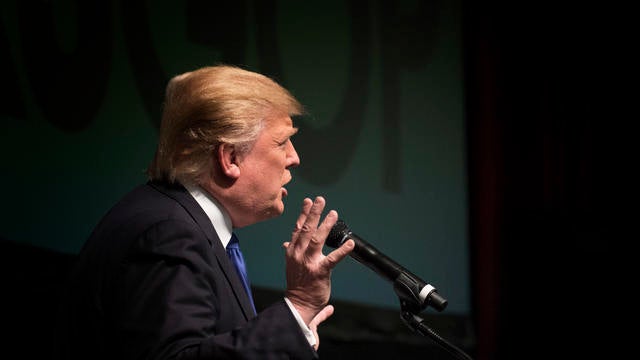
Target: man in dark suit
154,280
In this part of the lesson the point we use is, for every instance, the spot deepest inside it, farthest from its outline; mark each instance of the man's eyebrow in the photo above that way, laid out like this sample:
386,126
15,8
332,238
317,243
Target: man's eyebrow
285,135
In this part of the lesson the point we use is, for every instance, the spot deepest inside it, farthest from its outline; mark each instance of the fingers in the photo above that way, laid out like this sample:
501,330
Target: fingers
316,242
340,253
308,228
306,207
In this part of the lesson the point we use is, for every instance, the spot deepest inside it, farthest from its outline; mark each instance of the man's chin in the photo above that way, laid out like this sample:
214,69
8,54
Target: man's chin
275,211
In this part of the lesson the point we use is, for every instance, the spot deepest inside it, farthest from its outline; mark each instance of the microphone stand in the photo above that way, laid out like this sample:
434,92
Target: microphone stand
410,307
417,324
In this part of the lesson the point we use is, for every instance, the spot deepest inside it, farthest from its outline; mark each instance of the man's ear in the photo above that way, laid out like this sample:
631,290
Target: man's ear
228,160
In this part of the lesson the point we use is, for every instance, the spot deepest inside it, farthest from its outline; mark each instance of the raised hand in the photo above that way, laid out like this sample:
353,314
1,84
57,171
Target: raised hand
308,269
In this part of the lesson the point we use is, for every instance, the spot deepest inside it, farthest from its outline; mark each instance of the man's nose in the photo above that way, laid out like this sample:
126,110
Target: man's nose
292,156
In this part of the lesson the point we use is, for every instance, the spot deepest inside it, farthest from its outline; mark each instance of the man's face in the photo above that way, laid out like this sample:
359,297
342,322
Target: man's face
264,171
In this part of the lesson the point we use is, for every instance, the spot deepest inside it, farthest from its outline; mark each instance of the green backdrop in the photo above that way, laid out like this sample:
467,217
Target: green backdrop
384,140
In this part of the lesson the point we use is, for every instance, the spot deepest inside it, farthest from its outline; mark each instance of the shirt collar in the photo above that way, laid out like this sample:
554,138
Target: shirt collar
215,211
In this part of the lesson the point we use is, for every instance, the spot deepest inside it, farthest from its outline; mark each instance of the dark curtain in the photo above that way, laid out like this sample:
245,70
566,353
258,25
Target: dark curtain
545,90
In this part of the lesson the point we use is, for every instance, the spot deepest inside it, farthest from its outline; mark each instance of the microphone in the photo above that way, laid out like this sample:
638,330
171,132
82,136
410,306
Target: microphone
414,292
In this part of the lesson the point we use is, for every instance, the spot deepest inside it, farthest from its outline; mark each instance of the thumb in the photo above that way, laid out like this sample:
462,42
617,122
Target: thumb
323,315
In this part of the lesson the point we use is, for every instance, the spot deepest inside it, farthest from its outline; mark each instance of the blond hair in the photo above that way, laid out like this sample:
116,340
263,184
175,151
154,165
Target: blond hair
210,106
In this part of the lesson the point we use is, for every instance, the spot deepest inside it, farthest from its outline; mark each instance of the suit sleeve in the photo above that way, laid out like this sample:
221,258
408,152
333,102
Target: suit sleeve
175,302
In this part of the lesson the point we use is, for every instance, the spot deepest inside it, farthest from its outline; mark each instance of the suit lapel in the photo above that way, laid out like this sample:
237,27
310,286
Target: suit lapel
182,196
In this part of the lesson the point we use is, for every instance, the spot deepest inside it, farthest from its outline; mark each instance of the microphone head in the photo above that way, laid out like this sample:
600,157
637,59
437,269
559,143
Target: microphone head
338,234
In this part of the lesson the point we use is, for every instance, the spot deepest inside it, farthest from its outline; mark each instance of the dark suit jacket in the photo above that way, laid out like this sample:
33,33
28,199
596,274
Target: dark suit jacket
154,282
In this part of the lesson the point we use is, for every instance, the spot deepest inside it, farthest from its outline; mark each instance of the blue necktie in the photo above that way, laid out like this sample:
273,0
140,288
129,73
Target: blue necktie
233,250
